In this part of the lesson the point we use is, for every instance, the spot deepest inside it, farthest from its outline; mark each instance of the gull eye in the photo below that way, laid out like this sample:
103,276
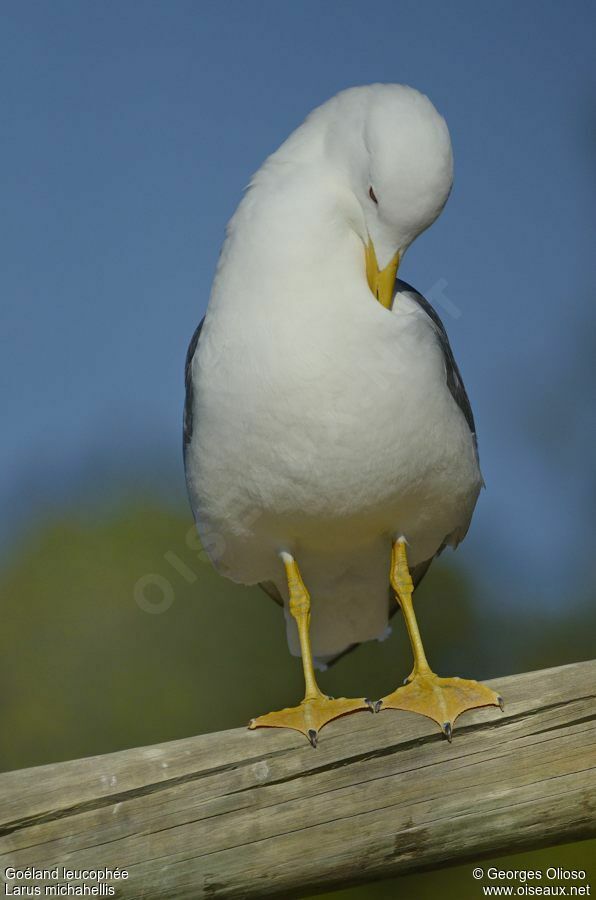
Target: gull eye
372,195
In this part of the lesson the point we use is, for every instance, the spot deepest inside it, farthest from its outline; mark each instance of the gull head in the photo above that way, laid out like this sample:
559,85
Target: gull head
346,193
392,151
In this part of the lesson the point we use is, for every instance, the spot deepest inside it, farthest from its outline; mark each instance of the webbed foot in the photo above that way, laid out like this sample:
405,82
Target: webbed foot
440,699
311,715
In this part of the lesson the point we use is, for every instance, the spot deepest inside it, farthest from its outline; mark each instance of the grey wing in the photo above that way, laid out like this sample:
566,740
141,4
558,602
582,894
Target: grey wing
187,425
453,375
271,590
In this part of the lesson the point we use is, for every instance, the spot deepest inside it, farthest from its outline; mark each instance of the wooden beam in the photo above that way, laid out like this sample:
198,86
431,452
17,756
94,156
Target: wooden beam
259,814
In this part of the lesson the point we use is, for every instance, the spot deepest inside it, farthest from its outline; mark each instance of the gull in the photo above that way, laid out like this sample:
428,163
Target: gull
329,443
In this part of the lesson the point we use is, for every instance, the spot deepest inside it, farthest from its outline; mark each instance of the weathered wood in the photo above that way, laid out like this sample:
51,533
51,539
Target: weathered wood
260,814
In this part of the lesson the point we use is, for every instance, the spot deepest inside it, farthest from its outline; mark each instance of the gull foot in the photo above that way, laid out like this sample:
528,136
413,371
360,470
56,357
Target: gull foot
311,715
440,699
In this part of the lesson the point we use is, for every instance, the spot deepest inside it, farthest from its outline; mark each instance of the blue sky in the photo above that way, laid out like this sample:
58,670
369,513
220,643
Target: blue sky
130,130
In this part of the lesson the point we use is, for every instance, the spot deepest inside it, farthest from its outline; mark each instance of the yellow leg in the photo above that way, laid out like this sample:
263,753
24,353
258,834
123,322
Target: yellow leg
441,699
316,709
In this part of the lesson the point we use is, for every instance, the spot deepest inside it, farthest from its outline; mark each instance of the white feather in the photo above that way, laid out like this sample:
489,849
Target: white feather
323,422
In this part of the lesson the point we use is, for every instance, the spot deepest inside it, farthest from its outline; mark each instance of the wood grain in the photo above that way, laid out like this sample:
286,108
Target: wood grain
244,814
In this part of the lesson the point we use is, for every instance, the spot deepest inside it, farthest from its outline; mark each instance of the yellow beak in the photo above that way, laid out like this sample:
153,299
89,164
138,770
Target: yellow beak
381,283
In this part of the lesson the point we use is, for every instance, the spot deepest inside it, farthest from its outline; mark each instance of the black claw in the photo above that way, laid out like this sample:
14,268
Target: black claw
448,731
312,736
373,705
501,703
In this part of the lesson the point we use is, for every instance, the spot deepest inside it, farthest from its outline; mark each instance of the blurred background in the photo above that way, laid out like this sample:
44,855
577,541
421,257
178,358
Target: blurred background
130,131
